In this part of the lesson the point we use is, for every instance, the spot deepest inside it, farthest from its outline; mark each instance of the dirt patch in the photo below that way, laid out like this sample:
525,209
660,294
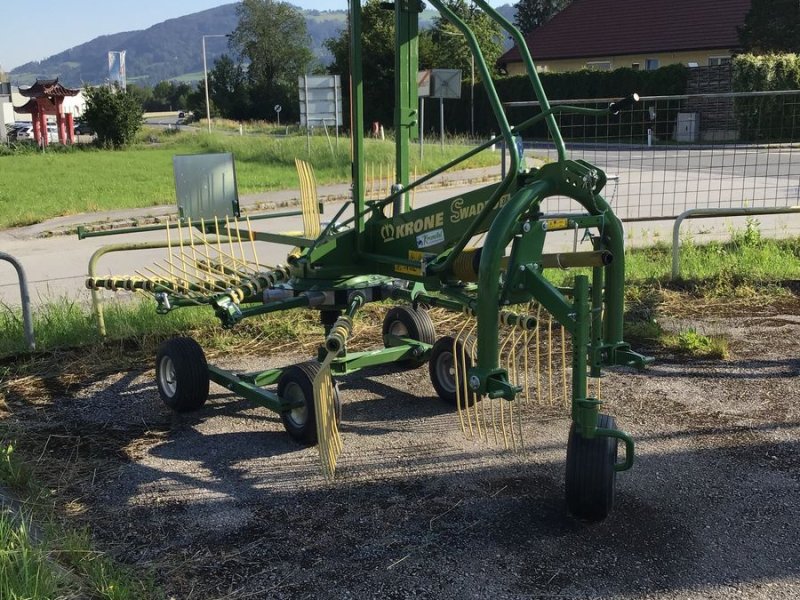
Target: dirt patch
222,504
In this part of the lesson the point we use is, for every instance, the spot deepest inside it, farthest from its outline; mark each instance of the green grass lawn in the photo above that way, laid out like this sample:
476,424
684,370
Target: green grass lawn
38,186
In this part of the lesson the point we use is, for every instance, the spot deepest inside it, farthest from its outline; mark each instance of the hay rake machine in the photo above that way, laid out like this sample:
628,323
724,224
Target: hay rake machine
479,255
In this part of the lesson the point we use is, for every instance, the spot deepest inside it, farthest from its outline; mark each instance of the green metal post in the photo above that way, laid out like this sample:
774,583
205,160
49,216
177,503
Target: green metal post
597,319
357,122
584,410
406,63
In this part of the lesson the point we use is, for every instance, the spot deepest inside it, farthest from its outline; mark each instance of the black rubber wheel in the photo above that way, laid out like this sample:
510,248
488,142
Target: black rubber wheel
297,385
442,370
182,374
404,321
591,478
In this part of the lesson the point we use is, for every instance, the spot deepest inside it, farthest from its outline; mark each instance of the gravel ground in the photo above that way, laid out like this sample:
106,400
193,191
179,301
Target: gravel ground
222,504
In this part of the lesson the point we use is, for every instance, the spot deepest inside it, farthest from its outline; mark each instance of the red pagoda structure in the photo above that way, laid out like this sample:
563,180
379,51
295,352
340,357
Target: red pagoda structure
47,98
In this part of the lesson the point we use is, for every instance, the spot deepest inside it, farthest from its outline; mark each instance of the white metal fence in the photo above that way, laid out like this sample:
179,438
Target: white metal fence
673,153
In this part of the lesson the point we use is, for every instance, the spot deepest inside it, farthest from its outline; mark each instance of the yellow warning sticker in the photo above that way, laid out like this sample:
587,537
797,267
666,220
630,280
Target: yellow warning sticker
413,255
406,270
557,224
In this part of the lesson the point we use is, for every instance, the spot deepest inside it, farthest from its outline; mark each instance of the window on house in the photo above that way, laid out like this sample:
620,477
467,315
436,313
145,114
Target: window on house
599,65
636,66
715,61
651,64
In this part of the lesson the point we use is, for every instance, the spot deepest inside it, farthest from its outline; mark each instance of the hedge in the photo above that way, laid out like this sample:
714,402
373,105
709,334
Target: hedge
767,118
571,85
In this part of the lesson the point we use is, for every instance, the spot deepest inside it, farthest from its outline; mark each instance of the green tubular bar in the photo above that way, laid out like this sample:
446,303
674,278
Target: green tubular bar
522,46
490,378
246,389
505,128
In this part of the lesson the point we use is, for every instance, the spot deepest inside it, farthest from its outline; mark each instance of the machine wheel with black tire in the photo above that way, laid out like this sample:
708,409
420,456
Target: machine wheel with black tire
407,322
296,385
182,374
591,476
442,368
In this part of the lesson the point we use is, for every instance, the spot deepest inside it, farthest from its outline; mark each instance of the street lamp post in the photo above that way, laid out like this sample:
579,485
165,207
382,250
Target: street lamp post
472,95
205,76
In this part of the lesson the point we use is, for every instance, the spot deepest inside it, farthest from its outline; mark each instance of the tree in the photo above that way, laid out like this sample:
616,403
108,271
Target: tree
273,37
114,114
228,86
771,26
450,49
444,46
535,13
377,53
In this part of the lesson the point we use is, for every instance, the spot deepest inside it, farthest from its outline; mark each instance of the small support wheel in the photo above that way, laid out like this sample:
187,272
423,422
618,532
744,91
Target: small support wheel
442,366
404,321
296,385
591,477
182,374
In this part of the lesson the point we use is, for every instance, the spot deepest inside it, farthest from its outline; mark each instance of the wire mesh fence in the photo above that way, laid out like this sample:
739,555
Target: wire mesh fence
672,153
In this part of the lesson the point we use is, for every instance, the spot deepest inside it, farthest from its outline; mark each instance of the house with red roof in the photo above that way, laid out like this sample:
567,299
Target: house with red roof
638,34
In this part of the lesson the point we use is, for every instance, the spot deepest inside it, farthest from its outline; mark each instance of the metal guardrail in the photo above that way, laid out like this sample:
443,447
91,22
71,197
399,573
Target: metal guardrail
97,302
699,213
27,320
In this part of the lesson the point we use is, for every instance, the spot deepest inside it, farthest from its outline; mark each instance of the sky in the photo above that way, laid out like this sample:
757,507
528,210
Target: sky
67,23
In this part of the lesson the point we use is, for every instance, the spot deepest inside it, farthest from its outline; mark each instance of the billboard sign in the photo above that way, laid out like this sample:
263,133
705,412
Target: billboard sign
320,100
116,69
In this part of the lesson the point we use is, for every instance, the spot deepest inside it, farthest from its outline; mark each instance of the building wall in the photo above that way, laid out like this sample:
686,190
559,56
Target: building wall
701,57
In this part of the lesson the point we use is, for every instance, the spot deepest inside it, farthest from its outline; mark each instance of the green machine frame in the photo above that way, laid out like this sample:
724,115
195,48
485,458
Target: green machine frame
421,256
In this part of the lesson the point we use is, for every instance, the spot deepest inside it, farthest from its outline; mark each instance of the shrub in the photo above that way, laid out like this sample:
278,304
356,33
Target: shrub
114,114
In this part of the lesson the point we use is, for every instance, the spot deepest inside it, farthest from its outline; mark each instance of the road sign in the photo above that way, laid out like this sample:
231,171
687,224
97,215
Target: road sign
320,100
445,83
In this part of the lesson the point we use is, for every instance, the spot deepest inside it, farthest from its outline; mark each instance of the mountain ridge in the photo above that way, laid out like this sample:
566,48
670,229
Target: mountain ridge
170,49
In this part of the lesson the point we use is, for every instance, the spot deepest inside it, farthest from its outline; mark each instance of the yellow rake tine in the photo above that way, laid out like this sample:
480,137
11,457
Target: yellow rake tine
458,363
550,357
204,282
538,355
180,245
239,239
205,242
177,284
232,255
508,340
187,280
194,251
564,364
230,280
169,245
253,242
478,399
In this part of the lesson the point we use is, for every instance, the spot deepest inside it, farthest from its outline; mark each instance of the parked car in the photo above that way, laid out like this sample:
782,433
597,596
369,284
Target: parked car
13,129
82,128
26,133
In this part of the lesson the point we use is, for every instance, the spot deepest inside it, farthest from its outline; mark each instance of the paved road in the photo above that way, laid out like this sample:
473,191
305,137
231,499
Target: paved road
651,183
665,181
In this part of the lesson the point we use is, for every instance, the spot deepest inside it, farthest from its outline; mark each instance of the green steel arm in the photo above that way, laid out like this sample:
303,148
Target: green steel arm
497,239
505,128
532,74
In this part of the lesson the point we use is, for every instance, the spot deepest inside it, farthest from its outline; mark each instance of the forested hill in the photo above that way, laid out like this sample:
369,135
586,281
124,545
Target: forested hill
171,49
